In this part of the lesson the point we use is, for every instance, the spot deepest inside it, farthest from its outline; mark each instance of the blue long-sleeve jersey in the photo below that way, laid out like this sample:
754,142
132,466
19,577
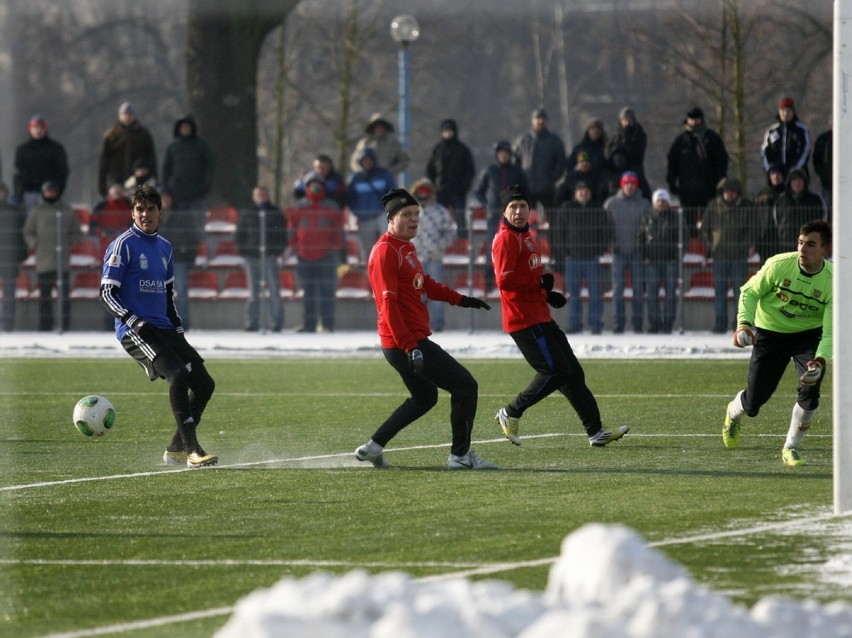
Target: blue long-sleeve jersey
137,281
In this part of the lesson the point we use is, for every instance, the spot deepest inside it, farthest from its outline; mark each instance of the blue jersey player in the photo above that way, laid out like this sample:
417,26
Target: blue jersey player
137,289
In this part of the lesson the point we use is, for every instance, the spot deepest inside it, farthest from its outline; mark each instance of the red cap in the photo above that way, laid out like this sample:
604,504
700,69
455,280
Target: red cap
787,103
37,119
630,178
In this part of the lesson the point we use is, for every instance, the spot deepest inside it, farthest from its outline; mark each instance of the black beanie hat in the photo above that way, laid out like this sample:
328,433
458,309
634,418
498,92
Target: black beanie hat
395,199
511,194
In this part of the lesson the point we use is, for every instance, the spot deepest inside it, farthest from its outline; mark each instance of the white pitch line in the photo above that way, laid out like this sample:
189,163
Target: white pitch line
338,455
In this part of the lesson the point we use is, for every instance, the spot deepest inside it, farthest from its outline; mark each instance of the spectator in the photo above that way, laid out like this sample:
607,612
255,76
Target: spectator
38,160
379,135
335,185
617,165
261,239
631,136
436,232
541,154
594,143
697,161
123,144
788,141
13,250
794,208
580,234
582,172
188,167
764,200
728,229
450,168
184,231
399,287
627,210
50,230
143,173
822,161
526,292
315,226
494,180
111,216
364,196
661,240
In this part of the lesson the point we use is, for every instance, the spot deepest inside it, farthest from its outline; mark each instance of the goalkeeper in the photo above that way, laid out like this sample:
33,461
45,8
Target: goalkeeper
785,313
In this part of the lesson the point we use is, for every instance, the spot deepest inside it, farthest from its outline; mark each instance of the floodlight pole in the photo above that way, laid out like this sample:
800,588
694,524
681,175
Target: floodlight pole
404,30
841,252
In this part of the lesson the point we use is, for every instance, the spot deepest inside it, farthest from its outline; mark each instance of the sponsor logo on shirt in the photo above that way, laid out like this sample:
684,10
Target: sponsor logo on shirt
143,262
418,281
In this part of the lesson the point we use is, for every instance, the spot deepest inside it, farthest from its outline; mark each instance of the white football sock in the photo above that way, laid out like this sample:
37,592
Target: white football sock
800,423
373,447
735,408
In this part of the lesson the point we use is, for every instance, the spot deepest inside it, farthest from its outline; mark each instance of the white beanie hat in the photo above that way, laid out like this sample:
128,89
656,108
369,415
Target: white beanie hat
661,193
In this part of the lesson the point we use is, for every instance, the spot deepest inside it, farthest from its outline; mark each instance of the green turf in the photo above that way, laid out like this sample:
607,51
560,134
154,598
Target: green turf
669,479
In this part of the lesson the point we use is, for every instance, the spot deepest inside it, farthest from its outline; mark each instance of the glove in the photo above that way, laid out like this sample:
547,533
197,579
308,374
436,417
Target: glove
415,360
342,270
743,336
547,281
814,371
473,302
556,299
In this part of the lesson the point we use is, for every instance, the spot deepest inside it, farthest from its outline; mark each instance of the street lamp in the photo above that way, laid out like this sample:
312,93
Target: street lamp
404,29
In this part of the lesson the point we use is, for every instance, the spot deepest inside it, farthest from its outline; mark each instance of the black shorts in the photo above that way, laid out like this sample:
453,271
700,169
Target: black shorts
162,354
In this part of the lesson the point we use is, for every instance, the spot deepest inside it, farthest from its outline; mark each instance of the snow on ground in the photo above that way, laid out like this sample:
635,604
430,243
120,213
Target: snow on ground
607,583
486,344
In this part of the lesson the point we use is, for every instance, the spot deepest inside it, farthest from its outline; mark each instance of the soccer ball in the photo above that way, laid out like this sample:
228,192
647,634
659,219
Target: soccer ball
93,415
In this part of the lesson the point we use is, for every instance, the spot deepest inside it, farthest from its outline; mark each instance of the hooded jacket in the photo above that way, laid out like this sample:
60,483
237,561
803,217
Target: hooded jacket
188,166
792,210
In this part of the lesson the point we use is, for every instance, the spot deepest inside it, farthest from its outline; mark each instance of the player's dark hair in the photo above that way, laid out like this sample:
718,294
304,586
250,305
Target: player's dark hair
817,226
146,193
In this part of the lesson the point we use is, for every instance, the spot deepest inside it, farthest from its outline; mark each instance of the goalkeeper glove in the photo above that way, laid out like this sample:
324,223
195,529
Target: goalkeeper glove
546,281
473,302
743,336
415,360
556,299
814,371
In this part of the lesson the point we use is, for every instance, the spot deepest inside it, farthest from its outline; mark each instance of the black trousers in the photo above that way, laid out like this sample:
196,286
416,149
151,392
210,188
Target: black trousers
771,353
440,371
546,349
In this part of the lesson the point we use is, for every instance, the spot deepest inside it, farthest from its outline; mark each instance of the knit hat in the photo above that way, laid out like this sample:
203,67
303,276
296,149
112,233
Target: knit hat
731,184
661,194
127,107
514,192
423,189
37,119
787,103
503,145
627,112
539,112
396,199
696,113
580,184
583,156
449,125
629,177
48,186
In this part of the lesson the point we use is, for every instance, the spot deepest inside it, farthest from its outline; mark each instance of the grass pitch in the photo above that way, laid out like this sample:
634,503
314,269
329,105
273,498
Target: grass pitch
98,533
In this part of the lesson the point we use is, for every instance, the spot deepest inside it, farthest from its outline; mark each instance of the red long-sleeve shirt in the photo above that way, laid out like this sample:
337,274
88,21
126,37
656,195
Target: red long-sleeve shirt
401,288
517,272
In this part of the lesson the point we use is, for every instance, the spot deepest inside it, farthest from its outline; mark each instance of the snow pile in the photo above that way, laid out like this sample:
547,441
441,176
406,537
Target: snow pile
606,584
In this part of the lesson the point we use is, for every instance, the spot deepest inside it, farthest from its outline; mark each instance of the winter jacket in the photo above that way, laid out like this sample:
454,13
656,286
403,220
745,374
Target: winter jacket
580,231
661,236
730,230
697,160
248,231
121,147
787,144
542,156
450,168
495,179
13,248
627,214
188,166
41,233
793,210
39,161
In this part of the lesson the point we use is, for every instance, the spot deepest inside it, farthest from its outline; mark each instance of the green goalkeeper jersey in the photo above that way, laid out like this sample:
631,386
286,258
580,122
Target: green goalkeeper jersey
782,298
